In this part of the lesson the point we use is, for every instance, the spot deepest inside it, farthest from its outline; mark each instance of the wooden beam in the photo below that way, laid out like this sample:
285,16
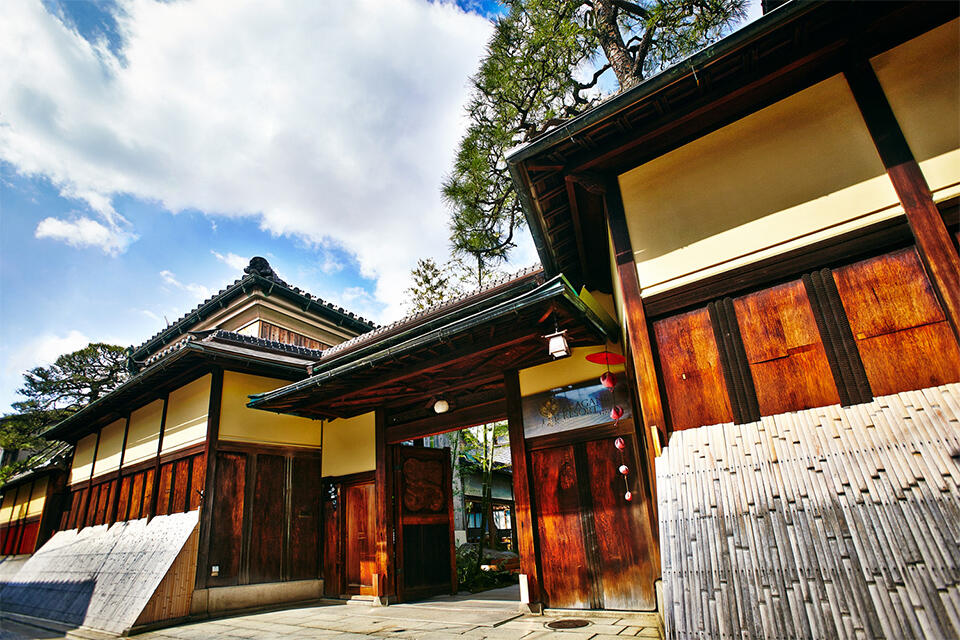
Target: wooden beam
940,259
152,510
385,579
641,365
210,456
445,422
93,465
523,512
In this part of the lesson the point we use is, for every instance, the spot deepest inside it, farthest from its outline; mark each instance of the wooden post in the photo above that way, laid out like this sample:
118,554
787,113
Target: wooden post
152,509
93,465
641,366
523,519
940,259
206,504
385,580
112,517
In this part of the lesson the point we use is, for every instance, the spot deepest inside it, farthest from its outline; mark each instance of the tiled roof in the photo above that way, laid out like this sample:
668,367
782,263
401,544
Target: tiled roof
219,335
53,456
419,316
258,270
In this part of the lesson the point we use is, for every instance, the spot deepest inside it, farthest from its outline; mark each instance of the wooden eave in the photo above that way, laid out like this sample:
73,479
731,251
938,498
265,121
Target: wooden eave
462,360
784,52
186,363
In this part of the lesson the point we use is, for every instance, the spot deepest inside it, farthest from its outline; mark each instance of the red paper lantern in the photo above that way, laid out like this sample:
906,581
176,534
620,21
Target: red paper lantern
628,496
616,413
624,469
608,380
619,443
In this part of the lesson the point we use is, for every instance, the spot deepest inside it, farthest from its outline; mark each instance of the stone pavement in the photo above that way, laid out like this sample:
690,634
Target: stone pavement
492,615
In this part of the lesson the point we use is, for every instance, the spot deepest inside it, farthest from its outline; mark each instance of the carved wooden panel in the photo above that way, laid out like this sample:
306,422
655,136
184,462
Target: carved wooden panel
422,489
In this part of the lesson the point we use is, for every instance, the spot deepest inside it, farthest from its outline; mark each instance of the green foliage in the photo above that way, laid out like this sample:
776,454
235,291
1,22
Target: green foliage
543,65
433,284
52,393
471,577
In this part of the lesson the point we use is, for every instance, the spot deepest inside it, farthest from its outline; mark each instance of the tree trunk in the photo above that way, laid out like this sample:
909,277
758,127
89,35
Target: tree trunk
608,32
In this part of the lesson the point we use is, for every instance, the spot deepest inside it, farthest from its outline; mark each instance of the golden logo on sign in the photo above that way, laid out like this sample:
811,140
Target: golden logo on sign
549,410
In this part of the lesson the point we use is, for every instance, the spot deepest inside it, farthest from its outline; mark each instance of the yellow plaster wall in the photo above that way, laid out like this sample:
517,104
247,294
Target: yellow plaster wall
22,502
921,79
83,459
239,423
37,497
252,329
570,370
796,172
111,446
144,433
349,445
6,508
187,415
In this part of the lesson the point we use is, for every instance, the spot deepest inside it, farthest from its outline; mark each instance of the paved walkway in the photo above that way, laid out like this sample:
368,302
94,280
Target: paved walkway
491,615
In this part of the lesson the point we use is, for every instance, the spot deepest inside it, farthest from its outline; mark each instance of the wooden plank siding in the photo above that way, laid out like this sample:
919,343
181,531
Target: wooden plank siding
831,522
275,333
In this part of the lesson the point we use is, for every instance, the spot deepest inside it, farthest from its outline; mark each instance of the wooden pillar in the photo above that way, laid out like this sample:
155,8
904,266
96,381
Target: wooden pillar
524,523
385,579
641,366
86,502
115,502
210,450
152,508
940,259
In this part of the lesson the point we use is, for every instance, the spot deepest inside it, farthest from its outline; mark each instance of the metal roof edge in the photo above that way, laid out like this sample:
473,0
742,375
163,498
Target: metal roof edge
558,285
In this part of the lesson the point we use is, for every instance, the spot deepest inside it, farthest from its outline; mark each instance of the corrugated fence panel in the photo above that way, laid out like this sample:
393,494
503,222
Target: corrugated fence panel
834,522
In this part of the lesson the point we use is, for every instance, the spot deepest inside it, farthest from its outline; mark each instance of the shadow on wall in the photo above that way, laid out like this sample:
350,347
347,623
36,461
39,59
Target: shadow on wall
63,601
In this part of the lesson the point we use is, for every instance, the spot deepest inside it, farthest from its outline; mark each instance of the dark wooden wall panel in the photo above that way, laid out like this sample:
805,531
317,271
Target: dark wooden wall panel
181,482
123,506
566,580
279,334
197,478
165,489
136,497
227,519
787,360
332,567
621,530
267,533
306,485
692,375
903,336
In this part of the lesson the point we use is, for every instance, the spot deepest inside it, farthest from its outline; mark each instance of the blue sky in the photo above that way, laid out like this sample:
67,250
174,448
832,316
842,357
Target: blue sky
149,149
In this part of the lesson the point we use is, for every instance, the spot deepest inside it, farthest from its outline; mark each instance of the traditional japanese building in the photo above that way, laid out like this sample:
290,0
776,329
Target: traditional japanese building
776,218
732,388
138,476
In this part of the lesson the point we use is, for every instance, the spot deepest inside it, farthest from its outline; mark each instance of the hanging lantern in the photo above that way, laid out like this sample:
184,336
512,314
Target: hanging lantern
624,469
619,443
628,496
616,413
608,380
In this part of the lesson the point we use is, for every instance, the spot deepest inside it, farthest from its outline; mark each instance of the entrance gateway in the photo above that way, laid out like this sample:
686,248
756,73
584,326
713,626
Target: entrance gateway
586,531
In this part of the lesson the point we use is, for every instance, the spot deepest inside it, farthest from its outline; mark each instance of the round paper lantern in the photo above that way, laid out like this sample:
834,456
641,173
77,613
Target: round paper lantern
608,380
628,496
624,469
620,444
616,413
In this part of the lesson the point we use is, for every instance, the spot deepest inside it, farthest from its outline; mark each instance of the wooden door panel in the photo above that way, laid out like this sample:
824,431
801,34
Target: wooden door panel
332,540
692,375
305,519
424,503
902,334
360,540
566,574
226,522
622,532
787,360
267,521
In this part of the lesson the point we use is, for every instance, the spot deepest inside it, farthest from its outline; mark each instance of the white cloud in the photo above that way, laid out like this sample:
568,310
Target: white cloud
83,232
329,121
43,350
196,290
232,260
